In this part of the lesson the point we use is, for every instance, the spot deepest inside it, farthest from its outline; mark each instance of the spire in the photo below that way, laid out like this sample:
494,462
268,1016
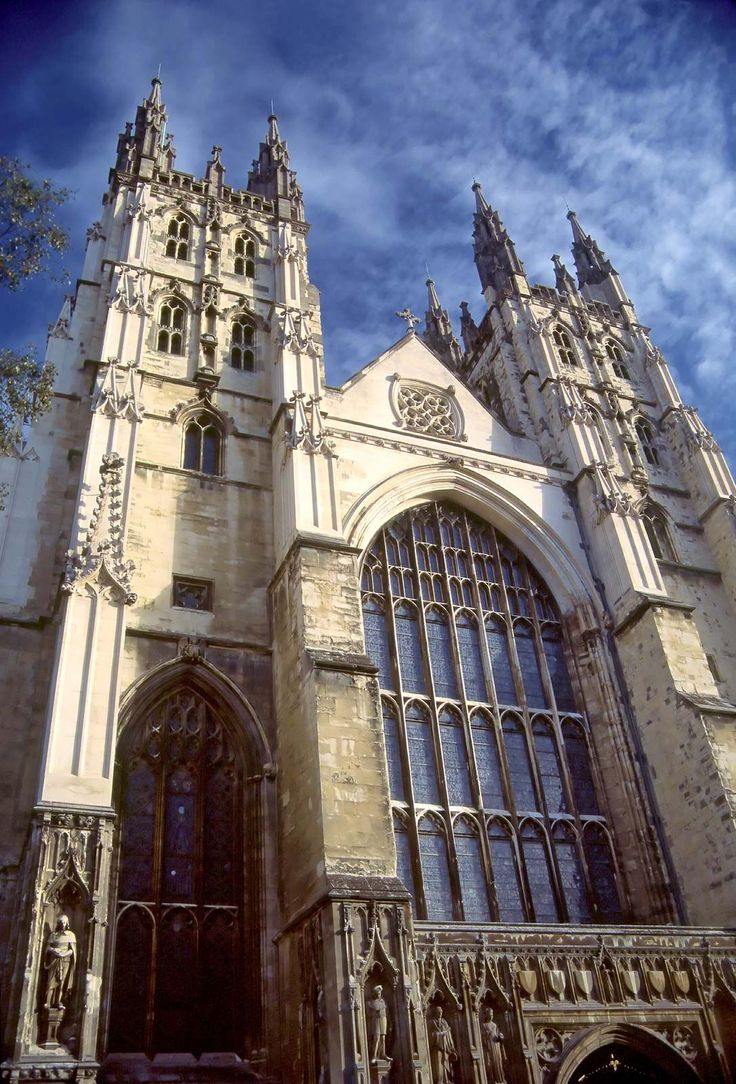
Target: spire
270,175
564,281
468,328
438,330
591,264
498,265
144,145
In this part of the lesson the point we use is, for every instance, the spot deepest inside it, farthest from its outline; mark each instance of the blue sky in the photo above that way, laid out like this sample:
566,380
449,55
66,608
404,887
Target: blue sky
624,109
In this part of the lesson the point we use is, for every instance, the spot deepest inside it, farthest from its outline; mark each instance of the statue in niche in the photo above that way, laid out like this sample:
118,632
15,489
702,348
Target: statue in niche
493,1052
442,1048
59,962
378,1021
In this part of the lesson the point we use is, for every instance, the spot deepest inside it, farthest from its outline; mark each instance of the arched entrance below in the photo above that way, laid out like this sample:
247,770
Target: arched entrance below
616,1062
624,1052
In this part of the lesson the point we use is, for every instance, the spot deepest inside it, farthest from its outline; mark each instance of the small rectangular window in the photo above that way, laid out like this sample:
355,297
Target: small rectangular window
191,594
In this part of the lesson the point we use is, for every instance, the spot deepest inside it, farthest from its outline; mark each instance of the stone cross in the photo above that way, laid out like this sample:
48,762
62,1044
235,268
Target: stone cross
411,319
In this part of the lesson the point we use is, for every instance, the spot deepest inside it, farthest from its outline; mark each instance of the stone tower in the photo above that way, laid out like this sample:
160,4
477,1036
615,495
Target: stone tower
380,732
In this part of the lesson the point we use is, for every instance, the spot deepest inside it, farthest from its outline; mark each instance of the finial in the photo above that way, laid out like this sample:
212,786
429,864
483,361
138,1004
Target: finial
411,320
429,273
481,205
158,73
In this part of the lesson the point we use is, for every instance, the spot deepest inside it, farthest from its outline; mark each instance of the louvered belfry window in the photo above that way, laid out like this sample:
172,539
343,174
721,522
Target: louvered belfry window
178,974
493,789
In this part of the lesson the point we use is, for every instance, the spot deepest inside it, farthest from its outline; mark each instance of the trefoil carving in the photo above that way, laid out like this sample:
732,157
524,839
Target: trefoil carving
60,329
138,209
295,332
101,556
610,497
129,291
117,396
698,437
94,233
572,406
305,426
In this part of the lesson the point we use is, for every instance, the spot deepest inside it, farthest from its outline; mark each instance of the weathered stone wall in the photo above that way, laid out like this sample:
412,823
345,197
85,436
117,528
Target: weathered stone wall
663,659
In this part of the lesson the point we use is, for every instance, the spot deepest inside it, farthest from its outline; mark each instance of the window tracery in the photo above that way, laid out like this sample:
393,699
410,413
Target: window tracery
202,445
428,410
648,444
178,237
655,525
565,352
488,759
172,320
615,356
245,256
242,342
179,918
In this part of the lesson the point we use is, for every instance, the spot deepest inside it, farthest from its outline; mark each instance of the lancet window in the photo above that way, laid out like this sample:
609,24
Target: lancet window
565,352
202,445
493,787
245,256
172,320
655,524
615,356
242,342
179,943
178,237
648,444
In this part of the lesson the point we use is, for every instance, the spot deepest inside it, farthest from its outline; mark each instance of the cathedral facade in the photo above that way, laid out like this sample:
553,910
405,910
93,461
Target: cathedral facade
379,733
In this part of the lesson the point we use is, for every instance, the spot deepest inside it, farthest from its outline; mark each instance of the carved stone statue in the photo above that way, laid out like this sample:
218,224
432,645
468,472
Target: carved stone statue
59,963
493,1052
378,1025
442,1048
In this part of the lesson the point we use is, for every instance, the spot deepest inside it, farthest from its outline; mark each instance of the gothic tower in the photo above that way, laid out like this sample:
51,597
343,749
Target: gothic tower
380,732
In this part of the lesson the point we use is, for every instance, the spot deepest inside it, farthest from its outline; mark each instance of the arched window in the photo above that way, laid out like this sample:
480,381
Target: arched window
565,352
597,847
172,322
177,237
435,869
645,433
616,358
480,723
655,524
473,880
572,878
245,257
242,343
202,445
179,966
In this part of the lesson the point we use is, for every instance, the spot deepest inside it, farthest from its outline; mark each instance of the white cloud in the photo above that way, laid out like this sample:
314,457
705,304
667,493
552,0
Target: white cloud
624,110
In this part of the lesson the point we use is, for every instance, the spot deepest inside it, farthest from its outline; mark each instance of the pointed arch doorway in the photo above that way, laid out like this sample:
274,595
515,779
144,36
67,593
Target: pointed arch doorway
615,1063
626,1052
186,966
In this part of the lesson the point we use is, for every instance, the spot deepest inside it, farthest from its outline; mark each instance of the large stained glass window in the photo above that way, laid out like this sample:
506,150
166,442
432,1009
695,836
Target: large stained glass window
493,788
177,982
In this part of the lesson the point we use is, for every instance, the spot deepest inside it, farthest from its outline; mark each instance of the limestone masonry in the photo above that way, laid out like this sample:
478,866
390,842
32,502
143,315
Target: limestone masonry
380,733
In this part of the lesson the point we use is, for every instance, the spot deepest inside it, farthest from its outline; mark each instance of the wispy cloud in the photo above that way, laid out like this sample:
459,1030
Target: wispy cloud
624,110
